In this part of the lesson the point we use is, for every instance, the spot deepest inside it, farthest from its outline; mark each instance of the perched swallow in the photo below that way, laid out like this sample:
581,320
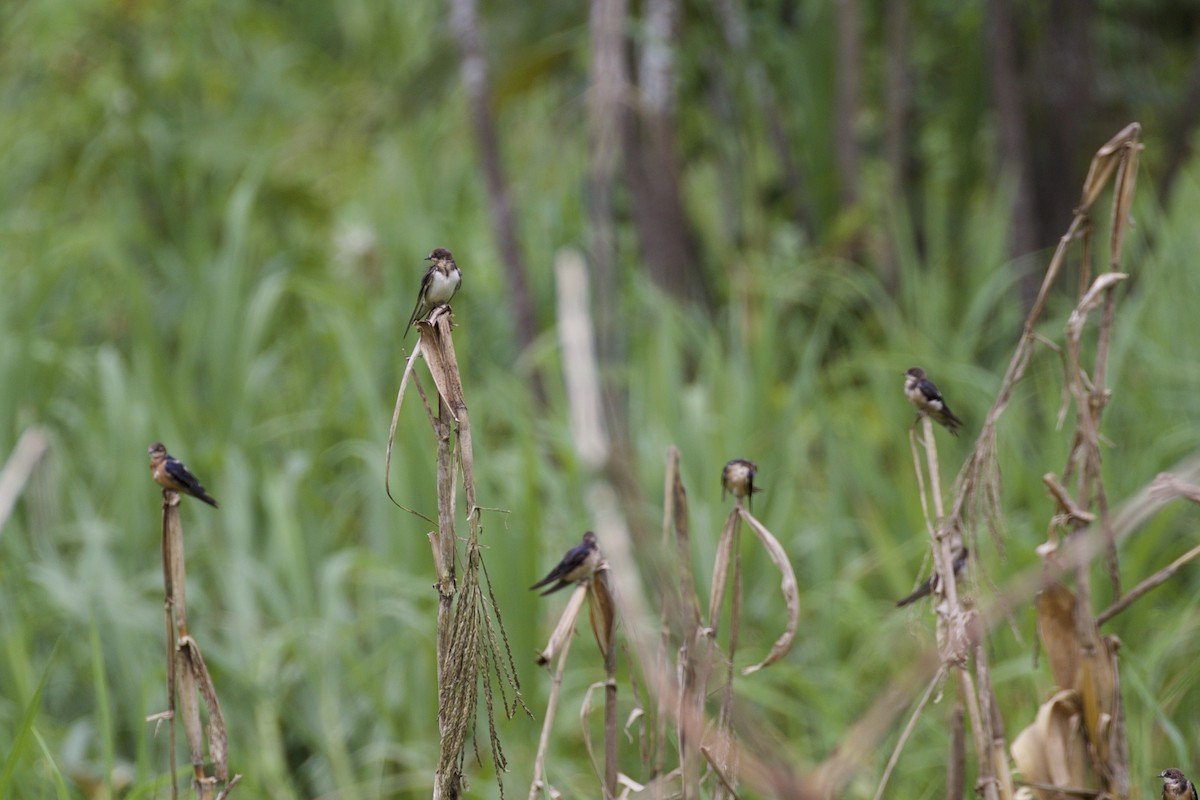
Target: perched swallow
438,286
934,580
579,563
738,478
170,473
1176,786
925,396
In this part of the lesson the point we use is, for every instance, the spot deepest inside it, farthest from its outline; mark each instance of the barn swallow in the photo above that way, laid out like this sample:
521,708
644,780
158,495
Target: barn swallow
170,473
438,286
925,396
925,588
579,563
738,477
1176,786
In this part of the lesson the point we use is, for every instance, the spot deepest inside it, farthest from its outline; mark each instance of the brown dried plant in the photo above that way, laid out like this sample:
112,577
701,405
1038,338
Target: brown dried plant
188,680
472,645
1050,752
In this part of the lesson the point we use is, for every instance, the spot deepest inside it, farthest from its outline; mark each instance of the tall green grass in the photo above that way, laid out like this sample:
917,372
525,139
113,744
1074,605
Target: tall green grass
170,270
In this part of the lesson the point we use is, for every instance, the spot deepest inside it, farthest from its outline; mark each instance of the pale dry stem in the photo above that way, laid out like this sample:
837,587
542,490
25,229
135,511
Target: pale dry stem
188,679
908,729
25,456
561,649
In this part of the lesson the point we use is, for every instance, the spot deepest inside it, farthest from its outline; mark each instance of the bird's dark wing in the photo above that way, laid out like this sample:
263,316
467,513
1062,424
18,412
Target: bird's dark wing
416,312
922,591
182,474
184,477
574,557
555,588
930,391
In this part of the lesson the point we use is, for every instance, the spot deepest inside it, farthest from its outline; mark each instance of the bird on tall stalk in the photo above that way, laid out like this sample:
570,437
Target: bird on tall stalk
1176,786
438,285
737,478
579,563
928,400
934,581
170,473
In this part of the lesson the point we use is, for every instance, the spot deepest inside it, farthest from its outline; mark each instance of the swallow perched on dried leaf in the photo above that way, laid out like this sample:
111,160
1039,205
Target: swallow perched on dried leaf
1176,786
925,396
438,286
934,581
170,473
579,563
738,478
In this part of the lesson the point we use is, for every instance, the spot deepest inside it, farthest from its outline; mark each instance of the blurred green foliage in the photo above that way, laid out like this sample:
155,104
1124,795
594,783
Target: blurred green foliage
212,217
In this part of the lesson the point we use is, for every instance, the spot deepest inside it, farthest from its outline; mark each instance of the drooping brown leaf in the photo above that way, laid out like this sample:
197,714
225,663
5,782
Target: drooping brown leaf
602,611
1056,629
788,586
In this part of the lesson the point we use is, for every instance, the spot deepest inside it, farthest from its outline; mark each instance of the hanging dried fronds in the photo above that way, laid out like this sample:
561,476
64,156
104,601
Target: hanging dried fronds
472,644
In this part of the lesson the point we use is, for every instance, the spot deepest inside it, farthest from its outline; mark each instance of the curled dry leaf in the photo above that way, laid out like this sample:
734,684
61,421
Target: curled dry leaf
1053,750
602,611
720,576
585,710
787,585
1056,629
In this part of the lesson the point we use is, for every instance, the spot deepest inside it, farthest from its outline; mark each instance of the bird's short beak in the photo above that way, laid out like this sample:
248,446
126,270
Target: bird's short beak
1162,775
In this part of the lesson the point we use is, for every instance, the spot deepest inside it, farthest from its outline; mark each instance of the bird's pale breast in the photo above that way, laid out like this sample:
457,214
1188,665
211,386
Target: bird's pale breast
442,287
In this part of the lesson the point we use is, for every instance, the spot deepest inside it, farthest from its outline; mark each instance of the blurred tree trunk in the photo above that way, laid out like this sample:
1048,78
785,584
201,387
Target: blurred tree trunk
465,22
1179,137
1012,129
1068,112
846,99
898,116
608,95
652,162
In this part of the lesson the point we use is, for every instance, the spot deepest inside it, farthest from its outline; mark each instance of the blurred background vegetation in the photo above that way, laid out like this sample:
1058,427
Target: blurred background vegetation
211,231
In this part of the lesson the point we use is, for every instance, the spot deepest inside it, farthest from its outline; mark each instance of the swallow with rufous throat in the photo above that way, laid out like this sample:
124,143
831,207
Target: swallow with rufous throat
738,478
579,563
170,473
1176,786
438,286
925,396
934,581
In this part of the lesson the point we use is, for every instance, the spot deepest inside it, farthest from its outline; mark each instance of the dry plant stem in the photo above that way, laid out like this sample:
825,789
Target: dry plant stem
25,456
539,762
610,720
444,546
726,782
187,675
1071,790
725,748
908,729
956,624
171,540
661,664
943,557
1154,581
1103,164
973,476
468,646
966,688
996,755
956,770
